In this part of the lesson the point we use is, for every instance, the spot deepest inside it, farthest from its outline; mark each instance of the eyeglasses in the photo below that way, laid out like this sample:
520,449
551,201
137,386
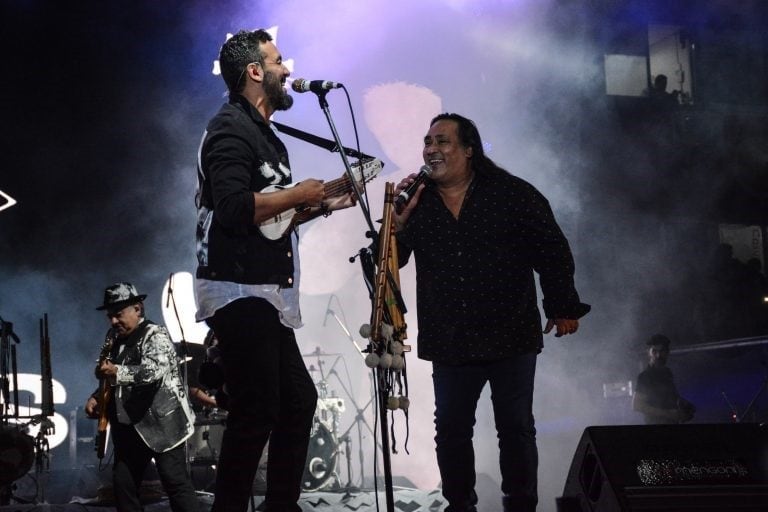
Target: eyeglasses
242,73
277,62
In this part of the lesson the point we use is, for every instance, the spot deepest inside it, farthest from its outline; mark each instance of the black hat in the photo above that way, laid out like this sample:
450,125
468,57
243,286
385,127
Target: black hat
120,295
658,339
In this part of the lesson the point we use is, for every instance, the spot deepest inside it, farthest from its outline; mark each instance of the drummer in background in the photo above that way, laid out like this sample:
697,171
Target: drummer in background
206,387
201,398
195,359
656,397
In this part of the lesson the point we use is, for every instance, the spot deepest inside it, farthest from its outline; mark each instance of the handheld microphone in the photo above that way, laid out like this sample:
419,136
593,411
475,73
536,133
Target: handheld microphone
316,86
405,195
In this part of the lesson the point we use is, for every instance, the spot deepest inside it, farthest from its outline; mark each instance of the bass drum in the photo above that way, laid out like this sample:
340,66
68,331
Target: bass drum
203,450
17,453
205,444
320,469
204,447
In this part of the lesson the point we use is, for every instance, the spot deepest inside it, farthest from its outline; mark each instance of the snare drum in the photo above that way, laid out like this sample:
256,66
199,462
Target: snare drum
204,445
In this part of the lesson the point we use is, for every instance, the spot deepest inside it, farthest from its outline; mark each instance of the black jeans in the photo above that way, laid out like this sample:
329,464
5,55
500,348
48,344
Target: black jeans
271,397
131,458
457,390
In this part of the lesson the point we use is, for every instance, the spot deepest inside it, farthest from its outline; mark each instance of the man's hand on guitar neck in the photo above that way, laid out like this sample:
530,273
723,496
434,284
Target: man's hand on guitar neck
311,192
279,209
316,197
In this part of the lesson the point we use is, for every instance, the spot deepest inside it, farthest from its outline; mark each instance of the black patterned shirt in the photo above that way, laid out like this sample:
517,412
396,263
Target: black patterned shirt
476,294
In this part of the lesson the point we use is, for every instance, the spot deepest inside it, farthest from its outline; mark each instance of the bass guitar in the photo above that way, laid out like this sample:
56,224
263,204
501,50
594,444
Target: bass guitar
105,395
276,227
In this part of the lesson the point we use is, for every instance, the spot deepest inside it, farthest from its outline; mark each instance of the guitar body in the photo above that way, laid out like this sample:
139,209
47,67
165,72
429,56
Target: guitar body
278,226
104,397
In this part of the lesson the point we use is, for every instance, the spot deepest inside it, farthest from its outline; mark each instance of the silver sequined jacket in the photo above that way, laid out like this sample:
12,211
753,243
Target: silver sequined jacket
150,391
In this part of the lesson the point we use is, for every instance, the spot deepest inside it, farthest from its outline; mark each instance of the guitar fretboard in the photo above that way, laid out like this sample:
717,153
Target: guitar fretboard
338,186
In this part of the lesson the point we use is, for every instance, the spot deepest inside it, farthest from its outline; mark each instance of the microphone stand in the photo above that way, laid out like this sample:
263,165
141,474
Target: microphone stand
750,406
182,342
171,299
372,233
347,167
359,411
346,331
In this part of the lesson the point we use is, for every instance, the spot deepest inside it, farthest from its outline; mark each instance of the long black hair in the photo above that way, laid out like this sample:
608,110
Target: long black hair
469,137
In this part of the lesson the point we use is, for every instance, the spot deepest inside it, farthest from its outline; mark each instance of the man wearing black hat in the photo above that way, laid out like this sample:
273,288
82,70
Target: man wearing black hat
656,396
150,415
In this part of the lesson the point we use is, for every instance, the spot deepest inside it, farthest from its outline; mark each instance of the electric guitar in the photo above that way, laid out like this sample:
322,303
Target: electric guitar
276,227
105,395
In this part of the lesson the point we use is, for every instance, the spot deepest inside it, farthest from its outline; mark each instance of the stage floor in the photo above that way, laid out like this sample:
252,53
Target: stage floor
405,500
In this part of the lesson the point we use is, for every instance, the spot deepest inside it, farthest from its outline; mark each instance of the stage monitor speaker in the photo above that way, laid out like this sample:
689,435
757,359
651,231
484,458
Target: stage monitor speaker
680,468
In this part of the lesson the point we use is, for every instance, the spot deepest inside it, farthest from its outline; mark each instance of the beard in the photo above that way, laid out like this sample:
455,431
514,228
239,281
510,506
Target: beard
278,97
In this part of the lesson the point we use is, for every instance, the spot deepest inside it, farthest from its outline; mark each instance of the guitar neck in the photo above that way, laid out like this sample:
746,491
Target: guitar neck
105,395
338,187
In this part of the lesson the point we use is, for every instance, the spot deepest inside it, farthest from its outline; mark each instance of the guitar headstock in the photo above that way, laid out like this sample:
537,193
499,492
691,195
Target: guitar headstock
366,169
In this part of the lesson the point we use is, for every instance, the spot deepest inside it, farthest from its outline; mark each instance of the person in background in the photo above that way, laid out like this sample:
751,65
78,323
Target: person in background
656,396
150,415
659,95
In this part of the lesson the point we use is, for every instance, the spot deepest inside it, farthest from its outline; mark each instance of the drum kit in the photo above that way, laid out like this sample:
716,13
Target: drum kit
320,470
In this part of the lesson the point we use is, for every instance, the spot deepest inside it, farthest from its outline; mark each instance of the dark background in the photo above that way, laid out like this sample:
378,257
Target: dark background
103,105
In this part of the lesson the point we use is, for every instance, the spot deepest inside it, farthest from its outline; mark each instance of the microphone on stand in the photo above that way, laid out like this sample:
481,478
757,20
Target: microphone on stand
405,195
303,85
170,291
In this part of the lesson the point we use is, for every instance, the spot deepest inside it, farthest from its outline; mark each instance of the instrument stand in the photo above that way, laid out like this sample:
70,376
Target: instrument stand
359,411
346,331
182,357
42,459
359,419
8,375
379,380
386,456
734,411
748,410
348,456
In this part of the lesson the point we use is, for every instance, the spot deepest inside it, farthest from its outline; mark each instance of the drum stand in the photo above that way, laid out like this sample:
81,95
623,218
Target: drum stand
359,412
749,410
358,420
17,449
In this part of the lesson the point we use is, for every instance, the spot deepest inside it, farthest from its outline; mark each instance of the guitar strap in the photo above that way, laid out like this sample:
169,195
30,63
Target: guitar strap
318,141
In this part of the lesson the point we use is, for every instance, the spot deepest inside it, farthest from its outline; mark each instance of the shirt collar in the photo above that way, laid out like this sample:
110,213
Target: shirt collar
248,108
